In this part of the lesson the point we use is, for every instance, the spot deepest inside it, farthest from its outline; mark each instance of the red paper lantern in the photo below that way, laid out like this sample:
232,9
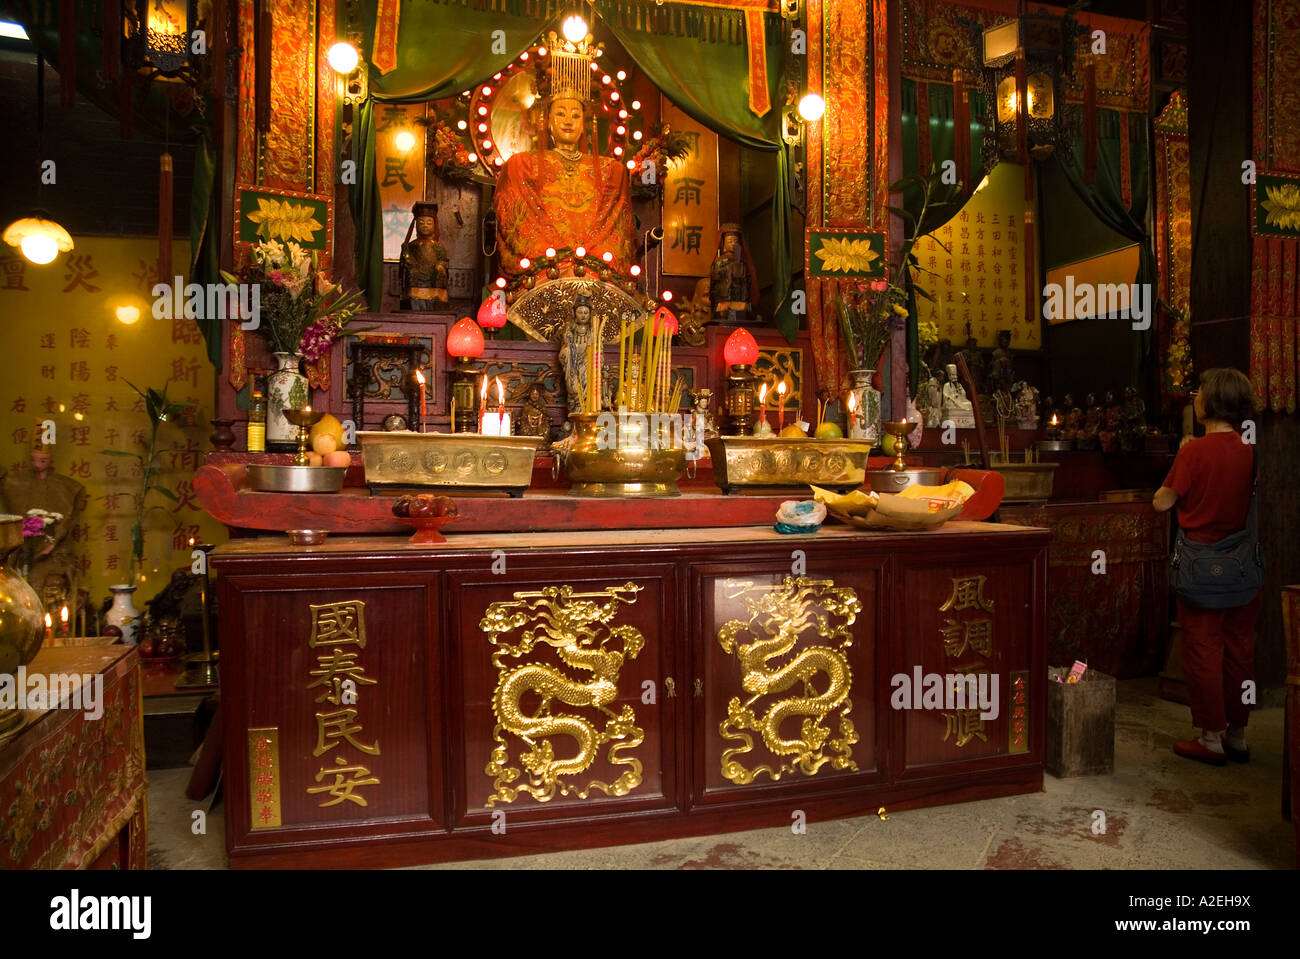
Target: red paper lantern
741,349
465,339
664,320
492,314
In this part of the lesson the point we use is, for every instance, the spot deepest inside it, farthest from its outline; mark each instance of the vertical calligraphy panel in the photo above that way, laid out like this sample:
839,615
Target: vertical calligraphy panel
401,174
690,214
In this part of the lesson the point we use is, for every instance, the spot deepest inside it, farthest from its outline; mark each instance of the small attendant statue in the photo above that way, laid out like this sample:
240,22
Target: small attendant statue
1026,405
1004,372
1111,420
700,407
424,261
533,418
1072,417
956,404
578,335
732,284
1091,424
42,488
1132,434
929,400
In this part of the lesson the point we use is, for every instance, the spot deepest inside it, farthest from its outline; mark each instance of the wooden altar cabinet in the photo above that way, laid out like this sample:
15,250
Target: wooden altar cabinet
72,788
368,724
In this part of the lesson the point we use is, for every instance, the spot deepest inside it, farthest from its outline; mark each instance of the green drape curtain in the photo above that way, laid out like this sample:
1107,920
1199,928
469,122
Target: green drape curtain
444,49
1105,196
205,261
943,143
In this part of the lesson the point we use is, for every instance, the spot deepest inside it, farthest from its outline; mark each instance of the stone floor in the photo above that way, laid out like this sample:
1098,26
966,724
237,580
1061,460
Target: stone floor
1161,812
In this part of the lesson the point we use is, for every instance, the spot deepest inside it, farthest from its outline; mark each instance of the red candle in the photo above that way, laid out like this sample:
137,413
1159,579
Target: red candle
501,399
780,406
419,378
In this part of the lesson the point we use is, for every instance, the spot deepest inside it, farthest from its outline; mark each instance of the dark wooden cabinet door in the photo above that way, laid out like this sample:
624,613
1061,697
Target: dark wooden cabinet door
329,712
785,661
561,697
966,617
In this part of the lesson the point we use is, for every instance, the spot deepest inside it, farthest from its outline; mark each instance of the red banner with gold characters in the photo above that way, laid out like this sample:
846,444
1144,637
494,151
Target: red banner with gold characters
384,54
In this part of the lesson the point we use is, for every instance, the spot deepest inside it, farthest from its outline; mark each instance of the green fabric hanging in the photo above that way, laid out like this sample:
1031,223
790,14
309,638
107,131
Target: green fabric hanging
363,199
205,264
1105,197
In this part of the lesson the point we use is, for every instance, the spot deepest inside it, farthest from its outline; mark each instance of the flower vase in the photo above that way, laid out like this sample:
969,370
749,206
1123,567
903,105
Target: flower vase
286,389
864,424
123,615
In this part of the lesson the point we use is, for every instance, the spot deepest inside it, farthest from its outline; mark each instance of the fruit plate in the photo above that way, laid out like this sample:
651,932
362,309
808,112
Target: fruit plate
426,529
776,462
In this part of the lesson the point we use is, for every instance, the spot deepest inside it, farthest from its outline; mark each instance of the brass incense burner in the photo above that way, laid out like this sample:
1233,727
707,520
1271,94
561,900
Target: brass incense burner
757,462
448,461
634,458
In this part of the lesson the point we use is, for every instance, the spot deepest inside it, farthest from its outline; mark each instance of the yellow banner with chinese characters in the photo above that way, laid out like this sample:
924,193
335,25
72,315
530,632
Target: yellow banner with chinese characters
399,164
690,211
982,282
70,354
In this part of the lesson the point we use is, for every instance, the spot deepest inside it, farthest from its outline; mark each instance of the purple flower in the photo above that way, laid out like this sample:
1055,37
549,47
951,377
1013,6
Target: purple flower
33,526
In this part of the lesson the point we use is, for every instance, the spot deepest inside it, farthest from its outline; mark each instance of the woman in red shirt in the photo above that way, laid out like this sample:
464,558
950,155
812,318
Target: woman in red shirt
1211,483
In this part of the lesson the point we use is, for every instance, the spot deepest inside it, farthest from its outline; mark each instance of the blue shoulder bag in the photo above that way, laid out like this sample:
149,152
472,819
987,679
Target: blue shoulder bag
1220,575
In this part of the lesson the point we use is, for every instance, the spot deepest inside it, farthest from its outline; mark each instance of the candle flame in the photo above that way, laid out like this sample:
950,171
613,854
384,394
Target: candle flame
501,396
1054,423
307,408
853,402
483,392
63,615
780,387
48,621
419,376
762,393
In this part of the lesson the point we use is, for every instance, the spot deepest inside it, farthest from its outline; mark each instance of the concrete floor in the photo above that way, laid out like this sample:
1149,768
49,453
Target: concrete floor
1161,812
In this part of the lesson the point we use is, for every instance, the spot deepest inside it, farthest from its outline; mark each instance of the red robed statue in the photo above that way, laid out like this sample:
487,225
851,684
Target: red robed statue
563,197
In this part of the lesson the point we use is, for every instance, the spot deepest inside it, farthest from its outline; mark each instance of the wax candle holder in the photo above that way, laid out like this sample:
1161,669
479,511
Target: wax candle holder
304,420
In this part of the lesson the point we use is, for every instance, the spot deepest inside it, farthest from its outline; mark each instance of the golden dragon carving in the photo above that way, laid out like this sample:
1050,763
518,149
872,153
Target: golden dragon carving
576,626
777,616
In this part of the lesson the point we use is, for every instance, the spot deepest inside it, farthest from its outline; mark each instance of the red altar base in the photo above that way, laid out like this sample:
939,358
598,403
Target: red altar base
424,731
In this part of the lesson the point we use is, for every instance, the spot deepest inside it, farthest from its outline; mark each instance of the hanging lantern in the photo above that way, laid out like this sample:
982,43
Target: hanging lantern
492,314
159,37
1026,60
39,239
740,352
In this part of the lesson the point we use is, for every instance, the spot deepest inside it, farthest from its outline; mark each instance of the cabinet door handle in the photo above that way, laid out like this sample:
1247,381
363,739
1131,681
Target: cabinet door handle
671,686
699,687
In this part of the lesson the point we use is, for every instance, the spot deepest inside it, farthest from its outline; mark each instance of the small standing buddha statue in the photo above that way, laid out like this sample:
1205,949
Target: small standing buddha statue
424,260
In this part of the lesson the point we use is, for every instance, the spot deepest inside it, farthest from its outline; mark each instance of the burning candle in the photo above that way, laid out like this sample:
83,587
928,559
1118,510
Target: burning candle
853,412
501,399
49,626
419,378
63,621
307,408
762,403
482,403
780,406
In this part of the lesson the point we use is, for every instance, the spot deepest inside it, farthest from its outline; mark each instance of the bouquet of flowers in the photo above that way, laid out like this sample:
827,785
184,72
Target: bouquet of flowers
447,153
36,541
302,311
662,147
869,314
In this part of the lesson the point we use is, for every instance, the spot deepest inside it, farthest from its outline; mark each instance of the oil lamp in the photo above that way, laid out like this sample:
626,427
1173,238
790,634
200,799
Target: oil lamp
740,352
464,343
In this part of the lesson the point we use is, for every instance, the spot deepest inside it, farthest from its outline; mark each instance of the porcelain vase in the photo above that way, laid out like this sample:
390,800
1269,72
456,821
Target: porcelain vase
865,422
123,613
286,389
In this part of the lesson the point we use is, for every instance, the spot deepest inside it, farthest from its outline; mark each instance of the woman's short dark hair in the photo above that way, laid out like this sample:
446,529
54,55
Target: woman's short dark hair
1227,395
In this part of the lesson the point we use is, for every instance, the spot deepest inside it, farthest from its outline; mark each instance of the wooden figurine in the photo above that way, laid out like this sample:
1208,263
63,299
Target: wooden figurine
733,287
424,261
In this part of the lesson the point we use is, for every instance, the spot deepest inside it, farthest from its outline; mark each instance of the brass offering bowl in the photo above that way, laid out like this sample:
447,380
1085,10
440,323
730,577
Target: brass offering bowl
900,476
758,462
295,479
899,430
448,461
632,465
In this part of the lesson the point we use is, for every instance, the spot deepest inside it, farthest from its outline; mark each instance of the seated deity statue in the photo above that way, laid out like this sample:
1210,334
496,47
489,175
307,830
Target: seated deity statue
558,196
956,405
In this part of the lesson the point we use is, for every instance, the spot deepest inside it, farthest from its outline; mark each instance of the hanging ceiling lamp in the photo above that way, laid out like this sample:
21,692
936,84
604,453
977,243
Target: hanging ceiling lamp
159,34
40,239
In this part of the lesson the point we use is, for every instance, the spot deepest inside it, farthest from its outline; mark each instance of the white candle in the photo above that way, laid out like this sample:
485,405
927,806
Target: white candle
496,424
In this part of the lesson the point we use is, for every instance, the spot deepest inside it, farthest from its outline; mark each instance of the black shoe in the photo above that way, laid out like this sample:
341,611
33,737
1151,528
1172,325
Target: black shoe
1235,754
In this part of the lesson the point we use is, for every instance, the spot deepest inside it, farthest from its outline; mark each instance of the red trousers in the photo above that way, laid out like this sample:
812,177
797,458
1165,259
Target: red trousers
1218,658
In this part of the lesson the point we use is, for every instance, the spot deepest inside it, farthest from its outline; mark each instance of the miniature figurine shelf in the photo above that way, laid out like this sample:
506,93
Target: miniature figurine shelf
381,700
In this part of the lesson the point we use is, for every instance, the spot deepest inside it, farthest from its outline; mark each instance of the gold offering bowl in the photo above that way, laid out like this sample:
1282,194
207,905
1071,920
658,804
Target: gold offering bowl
899,430
622,461
743,462
448,461
304,420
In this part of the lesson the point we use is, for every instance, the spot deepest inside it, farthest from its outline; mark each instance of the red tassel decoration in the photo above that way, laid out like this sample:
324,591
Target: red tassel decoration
1022,109
68,53
1090,121
165,218
960,127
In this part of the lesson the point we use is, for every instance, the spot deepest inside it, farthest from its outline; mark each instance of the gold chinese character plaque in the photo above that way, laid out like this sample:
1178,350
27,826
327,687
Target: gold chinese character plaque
264,777
779,616
579,627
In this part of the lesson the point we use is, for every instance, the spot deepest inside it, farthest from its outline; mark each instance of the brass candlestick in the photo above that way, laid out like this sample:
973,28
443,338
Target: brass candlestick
739,402
899,430
201,668
304,420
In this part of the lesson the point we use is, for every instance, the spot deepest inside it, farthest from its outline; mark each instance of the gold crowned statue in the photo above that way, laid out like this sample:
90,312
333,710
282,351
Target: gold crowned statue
563,194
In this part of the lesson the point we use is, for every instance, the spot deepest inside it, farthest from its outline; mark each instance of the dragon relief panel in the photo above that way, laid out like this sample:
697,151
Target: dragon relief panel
580,628
779,617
